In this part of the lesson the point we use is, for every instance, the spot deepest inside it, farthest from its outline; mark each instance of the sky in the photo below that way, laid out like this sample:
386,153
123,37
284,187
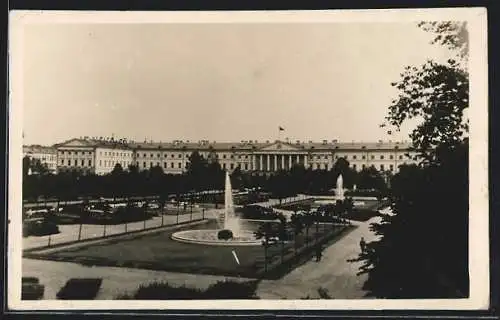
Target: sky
220,82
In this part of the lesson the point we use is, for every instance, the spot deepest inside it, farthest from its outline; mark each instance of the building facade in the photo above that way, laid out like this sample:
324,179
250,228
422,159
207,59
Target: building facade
92,156
100,157
46,155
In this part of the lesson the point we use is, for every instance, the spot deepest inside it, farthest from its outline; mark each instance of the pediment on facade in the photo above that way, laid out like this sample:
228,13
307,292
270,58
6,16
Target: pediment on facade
75,143
281,146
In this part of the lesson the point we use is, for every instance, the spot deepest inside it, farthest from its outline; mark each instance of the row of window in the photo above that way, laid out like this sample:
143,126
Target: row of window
75,162
111,164
372,157
115,154
179,165
158,155
46,159
82,162
75,152
172,165
382,167
123,154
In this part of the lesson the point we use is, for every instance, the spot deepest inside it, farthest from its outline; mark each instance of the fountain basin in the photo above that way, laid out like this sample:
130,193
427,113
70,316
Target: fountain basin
209,237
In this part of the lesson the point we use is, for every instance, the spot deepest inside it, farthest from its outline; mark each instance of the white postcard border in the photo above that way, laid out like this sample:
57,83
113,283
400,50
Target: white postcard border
478,184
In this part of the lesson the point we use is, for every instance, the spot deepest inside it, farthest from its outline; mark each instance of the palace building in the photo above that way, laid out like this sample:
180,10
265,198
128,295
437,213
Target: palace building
46,155
101,156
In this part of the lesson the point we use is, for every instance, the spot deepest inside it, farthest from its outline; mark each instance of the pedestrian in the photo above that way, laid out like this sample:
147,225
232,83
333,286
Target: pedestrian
362,244
319,253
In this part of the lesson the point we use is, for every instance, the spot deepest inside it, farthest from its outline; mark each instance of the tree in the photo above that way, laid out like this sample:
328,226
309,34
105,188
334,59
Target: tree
237,178
422,251
196,171
298,226
266,232
370,178
342,167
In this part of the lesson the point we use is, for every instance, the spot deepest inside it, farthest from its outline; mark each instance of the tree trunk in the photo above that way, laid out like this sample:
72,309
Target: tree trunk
265,256
282,250
307,236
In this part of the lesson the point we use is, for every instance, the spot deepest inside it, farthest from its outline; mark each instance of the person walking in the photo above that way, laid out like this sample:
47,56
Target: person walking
319,253
362,244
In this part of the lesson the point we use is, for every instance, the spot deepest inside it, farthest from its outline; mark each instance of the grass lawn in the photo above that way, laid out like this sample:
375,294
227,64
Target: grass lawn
157,251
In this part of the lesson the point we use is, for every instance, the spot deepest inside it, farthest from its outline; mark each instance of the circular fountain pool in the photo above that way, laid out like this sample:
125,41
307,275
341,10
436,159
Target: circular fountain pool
209,237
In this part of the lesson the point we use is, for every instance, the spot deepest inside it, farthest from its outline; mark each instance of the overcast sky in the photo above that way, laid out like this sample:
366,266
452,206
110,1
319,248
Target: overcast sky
224,82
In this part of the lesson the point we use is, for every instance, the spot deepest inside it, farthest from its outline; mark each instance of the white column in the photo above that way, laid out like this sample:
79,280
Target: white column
290,162
275,162
268,168
283,162
305,161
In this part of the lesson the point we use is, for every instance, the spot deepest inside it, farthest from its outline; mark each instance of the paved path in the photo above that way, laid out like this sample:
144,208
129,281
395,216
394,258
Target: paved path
116,281
70,232
333,272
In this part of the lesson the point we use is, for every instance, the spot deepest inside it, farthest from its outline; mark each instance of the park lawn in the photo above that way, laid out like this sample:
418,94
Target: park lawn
157,251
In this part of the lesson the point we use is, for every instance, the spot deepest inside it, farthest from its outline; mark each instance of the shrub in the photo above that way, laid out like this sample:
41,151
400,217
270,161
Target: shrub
225,234
39,228
219,290
80,289
231,290
164,291
31,289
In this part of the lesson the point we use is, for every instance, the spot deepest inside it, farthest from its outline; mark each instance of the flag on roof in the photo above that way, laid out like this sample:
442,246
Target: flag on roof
282,129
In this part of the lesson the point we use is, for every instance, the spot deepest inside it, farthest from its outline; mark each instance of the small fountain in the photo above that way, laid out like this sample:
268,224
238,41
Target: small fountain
339,191
226,220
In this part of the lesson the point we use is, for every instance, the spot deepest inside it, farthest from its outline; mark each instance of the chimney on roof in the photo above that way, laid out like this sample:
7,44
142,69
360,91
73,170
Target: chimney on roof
325,141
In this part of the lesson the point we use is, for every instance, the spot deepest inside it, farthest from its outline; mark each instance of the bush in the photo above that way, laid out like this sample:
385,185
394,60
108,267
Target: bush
225,234
80,289
231,290
361,214
258,212
31,289
164,291
39,228
219,290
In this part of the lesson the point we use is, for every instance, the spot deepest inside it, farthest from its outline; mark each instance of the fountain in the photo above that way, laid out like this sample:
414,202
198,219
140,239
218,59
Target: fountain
226,220
339,191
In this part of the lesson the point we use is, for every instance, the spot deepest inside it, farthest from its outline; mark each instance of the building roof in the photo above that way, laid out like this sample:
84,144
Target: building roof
94,143
205,145
38,149
247,145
